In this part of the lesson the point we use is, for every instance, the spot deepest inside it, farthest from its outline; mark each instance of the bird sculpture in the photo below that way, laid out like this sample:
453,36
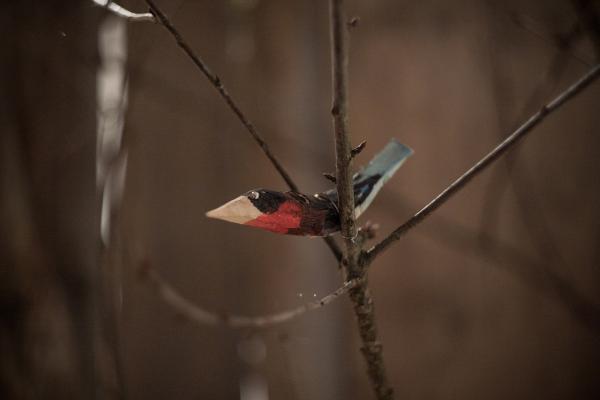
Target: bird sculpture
295,213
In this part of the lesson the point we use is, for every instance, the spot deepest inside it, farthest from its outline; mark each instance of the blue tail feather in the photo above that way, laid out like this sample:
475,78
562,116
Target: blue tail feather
369,180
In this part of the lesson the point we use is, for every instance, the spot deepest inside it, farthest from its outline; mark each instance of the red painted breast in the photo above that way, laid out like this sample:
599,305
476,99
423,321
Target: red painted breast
287,217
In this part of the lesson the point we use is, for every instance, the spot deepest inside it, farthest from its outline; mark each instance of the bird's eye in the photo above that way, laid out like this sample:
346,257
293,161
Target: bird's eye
254,195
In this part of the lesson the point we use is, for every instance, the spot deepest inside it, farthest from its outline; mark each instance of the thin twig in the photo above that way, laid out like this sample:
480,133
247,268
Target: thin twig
197,315
358,149
482,164
218,85
360,294
124,13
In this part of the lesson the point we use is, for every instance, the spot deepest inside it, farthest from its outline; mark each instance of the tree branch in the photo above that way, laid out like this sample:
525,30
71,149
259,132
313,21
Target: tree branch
218,84
199,316
124,13
360,294
482,164
339,111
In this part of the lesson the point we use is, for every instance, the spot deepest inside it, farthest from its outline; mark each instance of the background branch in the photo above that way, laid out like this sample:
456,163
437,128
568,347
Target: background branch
534,219
218,85
482,164
531,271
548,271
197,315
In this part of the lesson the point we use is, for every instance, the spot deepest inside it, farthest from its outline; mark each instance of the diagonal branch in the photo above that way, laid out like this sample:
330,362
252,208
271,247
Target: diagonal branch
218,84
339,111
482,164
360,295
199,316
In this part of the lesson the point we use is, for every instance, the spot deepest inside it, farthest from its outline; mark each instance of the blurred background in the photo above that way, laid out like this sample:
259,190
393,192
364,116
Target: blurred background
114,146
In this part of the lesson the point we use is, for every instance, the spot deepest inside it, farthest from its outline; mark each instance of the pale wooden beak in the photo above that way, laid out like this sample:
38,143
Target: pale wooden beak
239,211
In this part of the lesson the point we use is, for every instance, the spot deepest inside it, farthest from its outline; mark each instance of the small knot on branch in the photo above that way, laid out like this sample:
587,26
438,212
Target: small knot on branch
353,23
154,16
330,177
358,149
353,239
368,231
371,347
335,110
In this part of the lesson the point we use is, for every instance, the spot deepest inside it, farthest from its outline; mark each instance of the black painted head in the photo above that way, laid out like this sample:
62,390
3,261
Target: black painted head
266,201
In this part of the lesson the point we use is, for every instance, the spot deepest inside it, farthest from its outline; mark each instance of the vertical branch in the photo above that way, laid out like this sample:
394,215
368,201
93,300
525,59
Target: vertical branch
360,295
339,110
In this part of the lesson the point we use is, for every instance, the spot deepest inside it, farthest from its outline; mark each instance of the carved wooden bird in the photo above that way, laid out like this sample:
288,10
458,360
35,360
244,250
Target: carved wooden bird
295,213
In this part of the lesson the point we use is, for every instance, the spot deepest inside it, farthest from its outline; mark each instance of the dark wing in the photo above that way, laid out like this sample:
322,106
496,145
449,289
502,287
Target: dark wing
368,181
320,216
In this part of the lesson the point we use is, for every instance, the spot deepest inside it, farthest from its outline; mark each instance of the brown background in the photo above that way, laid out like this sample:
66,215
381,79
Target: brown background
495,296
